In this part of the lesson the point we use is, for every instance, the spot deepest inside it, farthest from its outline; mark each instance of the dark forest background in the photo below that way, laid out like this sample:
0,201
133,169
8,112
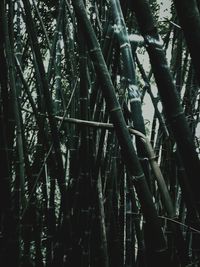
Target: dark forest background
86,179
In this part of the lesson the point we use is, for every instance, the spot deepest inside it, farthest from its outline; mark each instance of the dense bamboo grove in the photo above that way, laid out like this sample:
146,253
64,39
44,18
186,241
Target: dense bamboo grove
88,178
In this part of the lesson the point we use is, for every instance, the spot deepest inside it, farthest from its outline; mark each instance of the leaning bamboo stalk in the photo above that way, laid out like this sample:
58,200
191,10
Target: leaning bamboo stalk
156,170
15,100
189,17
84,179
129,76
96,95
8,257
169,96
48,99
26,87
123,135
42,23
13,238
153,99
150,155
130,81
26,225
55,39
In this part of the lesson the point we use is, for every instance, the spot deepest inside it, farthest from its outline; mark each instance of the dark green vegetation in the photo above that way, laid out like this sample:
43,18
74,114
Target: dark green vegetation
80,183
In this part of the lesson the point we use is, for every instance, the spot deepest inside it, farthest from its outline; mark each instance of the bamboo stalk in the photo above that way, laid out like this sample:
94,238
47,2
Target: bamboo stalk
168,94
48,99
189,17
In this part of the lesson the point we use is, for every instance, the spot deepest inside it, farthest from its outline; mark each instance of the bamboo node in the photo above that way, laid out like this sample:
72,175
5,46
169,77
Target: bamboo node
150,40
96,49
125,45
138,177
143,159
134,93
115,109
117,28
135,100
153,158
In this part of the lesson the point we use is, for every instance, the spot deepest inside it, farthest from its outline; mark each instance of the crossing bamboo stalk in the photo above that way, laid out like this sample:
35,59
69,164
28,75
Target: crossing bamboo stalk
169,96
124,139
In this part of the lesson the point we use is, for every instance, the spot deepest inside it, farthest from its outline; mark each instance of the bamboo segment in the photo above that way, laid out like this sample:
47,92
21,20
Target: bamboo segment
120,127
168,94
188,15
